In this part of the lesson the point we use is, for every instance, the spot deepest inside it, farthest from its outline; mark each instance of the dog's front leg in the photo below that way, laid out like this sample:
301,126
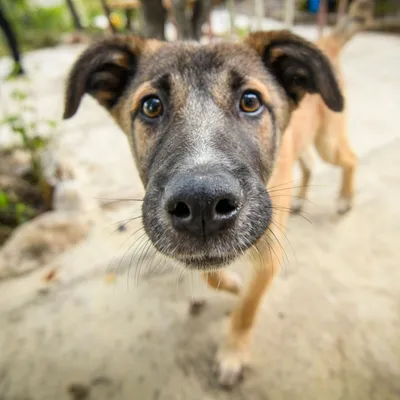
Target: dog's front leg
234,353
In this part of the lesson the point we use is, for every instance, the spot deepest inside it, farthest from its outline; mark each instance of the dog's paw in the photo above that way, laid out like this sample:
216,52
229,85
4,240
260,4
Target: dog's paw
297,205
344,205
235,282
229,366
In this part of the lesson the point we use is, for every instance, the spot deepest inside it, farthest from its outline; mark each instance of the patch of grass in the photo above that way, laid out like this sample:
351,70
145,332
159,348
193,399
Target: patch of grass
242,32
26,194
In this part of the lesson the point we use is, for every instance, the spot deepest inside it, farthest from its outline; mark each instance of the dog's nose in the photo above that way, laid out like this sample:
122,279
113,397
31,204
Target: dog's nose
203,204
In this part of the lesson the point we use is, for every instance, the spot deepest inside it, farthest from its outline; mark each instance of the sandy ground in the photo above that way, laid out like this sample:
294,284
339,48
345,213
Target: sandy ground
329,328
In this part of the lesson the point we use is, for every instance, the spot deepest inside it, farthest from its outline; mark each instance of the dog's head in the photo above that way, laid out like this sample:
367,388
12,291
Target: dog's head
204,124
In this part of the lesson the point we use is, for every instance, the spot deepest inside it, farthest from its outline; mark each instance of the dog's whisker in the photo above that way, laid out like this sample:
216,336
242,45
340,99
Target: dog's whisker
141,256
287,240
262,263
118,199
280,245
280,249
293,197
162,262
123,223
154,256
284,183
267,241
297,187
180,271
145,253
289,211
219,281
119,248
140,245
127,251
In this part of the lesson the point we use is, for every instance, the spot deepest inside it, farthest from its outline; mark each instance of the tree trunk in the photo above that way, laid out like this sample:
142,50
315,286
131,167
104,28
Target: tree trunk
341,9
201,13
290,7
322,16
75,16
107,11
259,13
182,19
232,16
154,17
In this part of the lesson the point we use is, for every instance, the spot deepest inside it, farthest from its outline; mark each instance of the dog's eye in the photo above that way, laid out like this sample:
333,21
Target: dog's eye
250,102
152,107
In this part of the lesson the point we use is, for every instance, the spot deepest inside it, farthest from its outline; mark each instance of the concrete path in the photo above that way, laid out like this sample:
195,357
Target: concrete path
329,328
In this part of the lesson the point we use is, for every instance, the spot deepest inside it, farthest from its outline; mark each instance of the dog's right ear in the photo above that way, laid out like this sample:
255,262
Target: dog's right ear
103,70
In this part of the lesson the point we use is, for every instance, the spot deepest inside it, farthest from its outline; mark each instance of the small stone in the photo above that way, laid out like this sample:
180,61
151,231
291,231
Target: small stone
196,307
101,380
122,228
39,241
78,391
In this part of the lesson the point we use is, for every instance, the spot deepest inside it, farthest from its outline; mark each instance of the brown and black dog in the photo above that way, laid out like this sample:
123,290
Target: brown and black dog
207,126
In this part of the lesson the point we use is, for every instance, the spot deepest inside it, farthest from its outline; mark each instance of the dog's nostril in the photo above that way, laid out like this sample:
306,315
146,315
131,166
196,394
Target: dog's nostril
181,210
225,207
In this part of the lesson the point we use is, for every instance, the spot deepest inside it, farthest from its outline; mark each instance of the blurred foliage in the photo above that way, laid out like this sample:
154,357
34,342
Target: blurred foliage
302,5
35,26
385,8
25,124
23,197
39,26
242,32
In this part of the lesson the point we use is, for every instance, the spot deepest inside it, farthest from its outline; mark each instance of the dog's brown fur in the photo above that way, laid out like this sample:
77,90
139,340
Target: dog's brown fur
103,71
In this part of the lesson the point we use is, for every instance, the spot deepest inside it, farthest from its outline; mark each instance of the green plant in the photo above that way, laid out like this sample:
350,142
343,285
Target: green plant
24,195
25,124
14,211
36,26
242,32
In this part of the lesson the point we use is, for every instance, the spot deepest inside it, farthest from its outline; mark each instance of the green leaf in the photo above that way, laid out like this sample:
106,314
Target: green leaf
4,202
10,119
33,125
19,95
20,208
51,123
38,142
23,213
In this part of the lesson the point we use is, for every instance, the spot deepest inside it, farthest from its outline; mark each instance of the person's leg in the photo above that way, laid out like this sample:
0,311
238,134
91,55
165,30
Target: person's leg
12,42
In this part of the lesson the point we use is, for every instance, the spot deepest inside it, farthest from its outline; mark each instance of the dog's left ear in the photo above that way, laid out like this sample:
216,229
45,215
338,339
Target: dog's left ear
298,65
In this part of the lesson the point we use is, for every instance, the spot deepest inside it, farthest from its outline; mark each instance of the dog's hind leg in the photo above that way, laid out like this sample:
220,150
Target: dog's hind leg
306,162
333,146
224,280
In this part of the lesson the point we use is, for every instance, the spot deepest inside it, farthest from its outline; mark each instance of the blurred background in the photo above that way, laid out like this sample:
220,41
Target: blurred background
89,311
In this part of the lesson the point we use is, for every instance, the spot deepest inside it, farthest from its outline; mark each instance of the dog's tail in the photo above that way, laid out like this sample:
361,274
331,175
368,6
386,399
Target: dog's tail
359,16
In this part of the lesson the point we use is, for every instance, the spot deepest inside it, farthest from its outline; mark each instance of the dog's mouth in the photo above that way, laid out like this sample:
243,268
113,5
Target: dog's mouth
206,262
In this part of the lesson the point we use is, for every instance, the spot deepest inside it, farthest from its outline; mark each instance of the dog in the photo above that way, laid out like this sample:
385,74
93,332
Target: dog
209,129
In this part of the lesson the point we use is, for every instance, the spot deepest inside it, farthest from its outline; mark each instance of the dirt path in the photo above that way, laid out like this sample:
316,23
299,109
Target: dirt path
329,329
